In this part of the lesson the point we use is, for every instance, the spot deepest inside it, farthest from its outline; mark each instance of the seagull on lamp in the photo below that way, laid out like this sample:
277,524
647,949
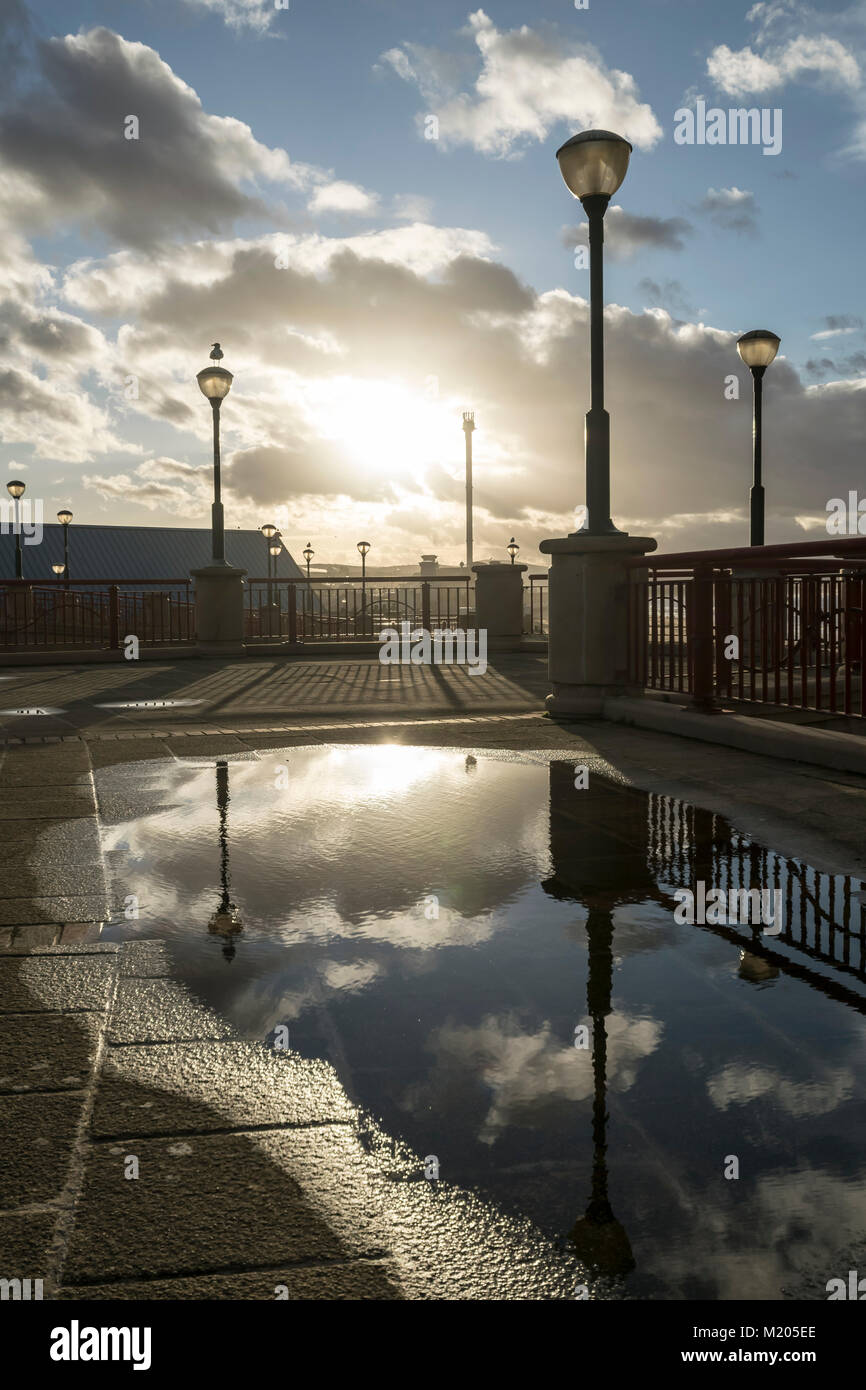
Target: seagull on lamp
216,354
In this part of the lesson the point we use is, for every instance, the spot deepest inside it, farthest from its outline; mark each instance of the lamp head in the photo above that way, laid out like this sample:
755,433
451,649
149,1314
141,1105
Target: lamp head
214,382
58,569
64,516
758,348
15,488
268,531
594,162
363,547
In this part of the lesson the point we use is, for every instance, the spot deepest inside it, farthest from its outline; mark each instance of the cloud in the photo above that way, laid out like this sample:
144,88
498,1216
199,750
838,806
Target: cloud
733,209
797,43
668,294
838,325
352,365
530,82
65,150
626,233
745,72
525,1073
343,197
244,14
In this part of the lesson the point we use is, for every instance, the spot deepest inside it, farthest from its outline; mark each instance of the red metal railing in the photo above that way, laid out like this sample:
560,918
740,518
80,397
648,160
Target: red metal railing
97,613
779,625
346,610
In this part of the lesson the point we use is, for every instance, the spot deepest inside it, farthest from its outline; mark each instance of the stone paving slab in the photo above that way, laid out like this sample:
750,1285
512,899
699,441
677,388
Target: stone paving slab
350,1280
30,803
48,1051
44,984
51,880
27,941
201,1204
37,1138
158,1011
178,1088
24,1243
144,959
20,911
54,841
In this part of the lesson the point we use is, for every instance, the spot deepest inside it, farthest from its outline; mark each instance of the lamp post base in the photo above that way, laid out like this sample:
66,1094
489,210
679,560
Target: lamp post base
219,609
588,653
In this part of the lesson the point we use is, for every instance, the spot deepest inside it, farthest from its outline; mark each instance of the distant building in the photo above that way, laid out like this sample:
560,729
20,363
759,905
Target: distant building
429,564
138,553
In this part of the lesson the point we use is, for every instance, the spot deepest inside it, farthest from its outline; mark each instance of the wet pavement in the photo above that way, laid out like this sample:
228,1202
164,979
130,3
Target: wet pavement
304,973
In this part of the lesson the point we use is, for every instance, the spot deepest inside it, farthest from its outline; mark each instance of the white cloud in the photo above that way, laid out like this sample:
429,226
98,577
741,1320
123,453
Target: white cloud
343,197
744,72
530,82
244,14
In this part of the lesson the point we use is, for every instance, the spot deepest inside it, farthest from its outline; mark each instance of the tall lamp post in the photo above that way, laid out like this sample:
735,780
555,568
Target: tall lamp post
757,349
215,383
16,492
363,547
274,549
468,429
269,532
309,552
593,165
64,516
513,549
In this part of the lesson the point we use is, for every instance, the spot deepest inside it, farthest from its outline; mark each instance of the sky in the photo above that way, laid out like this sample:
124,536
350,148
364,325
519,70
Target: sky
361,202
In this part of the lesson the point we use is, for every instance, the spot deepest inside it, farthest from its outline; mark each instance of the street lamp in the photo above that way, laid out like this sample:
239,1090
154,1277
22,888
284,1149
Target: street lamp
593,165
273,551
215,383
268,531
512,548
64,516
58,569
309,552
363,547
757,349
16,490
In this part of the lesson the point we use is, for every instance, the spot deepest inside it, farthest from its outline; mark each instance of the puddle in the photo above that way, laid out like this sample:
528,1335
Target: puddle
491,959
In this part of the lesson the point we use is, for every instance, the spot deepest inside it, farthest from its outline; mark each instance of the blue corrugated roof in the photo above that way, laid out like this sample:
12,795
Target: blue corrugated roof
137,552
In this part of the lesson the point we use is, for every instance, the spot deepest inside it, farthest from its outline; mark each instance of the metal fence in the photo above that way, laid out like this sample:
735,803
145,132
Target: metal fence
95,613
774,625
336,610
823,917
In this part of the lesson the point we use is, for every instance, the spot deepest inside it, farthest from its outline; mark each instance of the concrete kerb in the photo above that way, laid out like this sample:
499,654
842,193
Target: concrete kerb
826,748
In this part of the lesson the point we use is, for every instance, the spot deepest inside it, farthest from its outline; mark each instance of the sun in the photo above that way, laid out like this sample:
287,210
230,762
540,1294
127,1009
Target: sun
391,428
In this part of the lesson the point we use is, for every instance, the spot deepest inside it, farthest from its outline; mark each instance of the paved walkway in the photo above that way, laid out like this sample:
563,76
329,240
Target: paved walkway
126,697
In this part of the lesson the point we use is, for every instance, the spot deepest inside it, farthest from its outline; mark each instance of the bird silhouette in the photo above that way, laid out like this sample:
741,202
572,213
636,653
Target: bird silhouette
216,352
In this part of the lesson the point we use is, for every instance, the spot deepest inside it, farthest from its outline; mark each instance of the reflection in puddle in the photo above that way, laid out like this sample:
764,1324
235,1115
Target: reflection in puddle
489,957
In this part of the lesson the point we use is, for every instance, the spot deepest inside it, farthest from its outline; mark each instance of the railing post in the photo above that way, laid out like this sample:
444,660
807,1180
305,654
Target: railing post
701,642
292,602
425,605
113,618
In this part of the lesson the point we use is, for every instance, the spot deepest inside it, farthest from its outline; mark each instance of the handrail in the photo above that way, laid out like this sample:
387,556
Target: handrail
748,554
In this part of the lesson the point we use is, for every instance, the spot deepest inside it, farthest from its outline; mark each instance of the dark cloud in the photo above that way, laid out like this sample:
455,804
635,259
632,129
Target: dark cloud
626,233
732,209
65,143
667,294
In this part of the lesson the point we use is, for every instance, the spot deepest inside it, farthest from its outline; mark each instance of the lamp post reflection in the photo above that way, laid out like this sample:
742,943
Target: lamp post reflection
226,921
